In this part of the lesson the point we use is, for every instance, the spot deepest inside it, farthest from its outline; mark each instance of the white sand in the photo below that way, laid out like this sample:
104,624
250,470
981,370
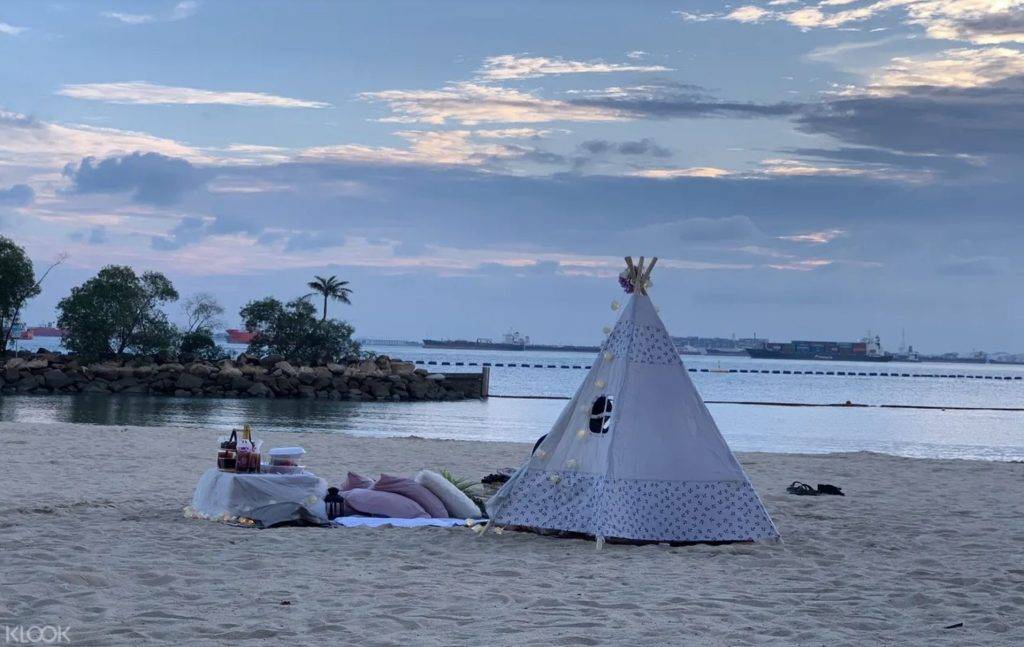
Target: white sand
92,536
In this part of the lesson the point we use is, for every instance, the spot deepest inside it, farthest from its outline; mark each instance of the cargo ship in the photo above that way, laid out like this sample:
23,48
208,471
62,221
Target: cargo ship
236,336
510,341
868,349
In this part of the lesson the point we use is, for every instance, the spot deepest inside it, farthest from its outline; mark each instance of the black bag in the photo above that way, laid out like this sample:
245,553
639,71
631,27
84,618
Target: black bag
825,488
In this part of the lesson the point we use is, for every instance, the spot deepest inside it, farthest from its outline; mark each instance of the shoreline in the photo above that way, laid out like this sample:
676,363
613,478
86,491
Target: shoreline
94,539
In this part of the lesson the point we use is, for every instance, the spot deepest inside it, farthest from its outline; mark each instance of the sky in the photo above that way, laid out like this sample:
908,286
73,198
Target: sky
808,170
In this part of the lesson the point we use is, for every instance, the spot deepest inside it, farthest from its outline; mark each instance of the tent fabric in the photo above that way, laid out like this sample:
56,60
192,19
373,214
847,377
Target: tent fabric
660,471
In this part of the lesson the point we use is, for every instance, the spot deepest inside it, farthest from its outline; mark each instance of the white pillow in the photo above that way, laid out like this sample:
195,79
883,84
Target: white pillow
458,505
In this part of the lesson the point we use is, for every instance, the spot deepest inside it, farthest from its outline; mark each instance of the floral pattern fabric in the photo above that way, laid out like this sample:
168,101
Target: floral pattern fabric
641,343
635,509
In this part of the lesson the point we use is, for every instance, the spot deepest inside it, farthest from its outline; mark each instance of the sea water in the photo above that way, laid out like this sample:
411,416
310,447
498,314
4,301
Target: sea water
941,433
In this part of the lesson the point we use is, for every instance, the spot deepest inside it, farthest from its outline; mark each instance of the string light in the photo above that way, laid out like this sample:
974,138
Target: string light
599,384
571,463
541,453
581,433
555,478
607,330
608,356
615,305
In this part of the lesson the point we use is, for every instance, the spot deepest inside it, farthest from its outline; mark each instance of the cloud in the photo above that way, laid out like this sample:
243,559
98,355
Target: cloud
305,240
976,21
815,237
978,266
705,230
189,230
959,68
645,146
471,104
449,147
673,173
152,178
927,119
788,167
10,30
26,141
665,101
95,236
747,13
511,67
143,93
637,55
18,195
182,10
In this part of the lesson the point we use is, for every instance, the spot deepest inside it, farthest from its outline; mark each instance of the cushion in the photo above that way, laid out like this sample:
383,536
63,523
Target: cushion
383,504
355,480
455,501
412,490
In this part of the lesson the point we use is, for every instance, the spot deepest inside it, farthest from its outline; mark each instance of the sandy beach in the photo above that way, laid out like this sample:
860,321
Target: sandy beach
94,539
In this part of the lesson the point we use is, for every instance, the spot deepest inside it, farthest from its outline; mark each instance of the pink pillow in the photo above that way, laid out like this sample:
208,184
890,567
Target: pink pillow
354,481
412,490
384,504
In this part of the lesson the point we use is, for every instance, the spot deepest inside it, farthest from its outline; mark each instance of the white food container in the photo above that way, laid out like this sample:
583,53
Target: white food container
286,456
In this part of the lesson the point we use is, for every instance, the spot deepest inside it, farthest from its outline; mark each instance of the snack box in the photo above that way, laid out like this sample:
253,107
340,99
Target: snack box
286,456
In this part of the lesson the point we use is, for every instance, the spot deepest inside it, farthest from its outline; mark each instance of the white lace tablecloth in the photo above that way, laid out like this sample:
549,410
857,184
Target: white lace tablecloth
268,499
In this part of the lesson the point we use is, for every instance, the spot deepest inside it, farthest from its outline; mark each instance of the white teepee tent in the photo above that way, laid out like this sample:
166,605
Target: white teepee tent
635,454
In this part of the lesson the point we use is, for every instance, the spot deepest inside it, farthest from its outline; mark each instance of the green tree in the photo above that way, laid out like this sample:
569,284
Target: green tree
118,312
330,288
292,330
17,285
202,315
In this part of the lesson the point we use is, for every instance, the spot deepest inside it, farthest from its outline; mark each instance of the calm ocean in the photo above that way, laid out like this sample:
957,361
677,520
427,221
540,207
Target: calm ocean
990,435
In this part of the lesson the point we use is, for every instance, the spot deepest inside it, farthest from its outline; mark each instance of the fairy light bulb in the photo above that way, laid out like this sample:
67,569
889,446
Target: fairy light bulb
541,453
608,356
599,384
607,330
581,433
555,478
615,305
571,463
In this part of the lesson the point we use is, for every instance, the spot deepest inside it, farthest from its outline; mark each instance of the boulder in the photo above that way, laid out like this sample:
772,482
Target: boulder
270,361
228,374
36,364
56,378
367,368
436,377
286,369
199,369
251,370
259,391
307,375
188,381
123,383
336,369
240,383
15,363
403,368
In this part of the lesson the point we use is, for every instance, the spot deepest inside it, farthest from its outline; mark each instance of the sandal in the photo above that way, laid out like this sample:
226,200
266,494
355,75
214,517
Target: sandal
801,489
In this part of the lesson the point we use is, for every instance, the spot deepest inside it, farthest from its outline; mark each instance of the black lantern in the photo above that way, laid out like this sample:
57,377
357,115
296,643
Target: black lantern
334,503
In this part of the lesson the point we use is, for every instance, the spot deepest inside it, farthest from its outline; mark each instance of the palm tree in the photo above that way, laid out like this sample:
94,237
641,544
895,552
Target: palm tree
331,288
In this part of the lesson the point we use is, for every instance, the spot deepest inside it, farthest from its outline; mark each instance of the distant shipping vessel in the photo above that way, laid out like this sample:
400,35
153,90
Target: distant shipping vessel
510,341
236,336
868,349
